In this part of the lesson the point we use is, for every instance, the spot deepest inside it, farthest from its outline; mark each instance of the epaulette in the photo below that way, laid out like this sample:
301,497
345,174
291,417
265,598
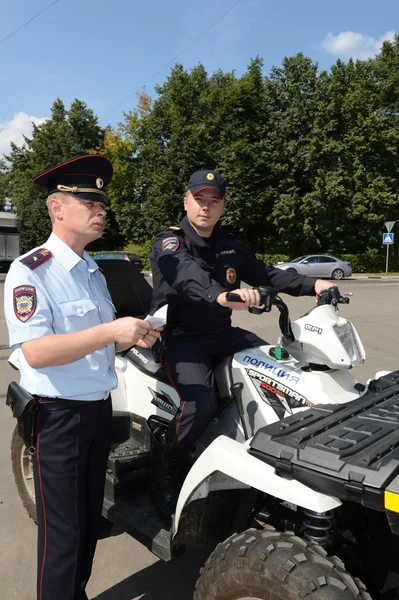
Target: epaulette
36,258
175,228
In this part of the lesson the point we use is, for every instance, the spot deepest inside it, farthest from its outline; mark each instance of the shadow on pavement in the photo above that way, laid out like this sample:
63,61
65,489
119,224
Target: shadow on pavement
174,580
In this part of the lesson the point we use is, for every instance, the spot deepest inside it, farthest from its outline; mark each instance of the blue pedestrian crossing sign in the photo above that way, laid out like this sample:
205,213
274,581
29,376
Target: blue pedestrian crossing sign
387,238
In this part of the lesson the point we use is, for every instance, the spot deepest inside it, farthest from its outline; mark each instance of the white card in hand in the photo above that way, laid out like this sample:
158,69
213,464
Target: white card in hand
159,318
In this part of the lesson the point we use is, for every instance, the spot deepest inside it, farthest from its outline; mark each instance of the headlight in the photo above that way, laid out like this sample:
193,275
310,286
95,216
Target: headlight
347,338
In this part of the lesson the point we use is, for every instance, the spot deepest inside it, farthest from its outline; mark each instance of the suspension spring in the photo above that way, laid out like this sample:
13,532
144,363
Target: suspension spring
318,526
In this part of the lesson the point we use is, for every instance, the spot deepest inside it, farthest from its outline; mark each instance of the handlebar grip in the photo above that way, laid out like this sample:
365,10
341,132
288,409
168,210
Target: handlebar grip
232,297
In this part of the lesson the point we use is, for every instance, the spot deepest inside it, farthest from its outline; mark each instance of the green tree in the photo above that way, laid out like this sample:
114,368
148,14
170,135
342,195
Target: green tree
336,156
245,157
365,162
172,143
121,146
197,121
386,69
64,135
296,97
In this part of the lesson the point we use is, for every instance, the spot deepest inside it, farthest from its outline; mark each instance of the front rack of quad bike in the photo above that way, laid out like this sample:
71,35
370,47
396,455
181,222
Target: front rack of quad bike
350,451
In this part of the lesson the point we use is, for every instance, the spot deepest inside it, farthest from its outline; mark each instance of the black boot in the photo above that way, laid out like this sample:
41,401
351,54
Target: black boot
165,488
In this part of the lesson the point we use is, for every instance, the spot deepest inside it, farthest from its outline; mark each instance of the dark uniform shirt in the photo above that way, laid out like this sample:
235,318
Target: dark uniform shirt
189,272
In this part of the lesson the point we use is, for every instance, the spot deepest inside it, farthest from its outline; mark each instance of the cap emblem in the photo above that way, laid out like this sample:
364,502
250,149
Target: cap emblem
99,183
210,177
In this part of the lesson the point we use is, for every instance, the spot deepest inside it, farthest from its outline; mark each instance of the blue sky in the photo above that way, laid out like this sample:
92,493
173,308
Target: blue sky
102,51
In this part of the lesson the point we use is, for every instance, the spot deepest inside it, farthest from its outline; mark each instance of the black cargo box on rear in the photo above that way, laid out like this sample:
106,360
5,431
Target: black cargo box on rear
350,451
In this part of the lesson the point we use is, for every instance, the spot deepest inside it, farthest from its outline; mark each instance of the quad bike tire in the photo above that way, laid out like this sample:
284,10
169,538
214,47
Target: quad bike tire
271,565
23,474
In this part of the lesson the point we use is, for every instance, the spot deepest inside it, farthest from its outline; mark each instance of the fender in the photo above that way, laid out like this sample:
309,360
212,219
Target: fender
226,464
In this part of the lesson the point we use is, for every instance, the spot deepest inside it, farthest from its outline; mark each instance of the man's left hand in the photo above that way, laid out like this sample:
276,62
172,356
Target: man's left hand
150,338
321,285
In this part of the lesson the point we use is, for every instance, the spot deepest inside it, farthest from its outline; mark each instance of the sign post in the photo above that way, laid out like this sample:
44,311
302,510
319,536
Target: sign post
387,239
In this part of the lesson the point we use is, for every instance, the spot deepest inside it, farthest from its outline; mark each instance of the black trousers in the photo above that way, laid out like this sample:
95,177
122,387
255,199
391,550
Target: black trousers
190,361
69,467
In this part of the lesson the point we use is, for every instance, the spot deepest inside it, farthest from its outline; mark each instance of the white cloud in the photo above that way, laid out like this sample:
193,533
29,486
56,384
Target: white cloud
14,130
350,44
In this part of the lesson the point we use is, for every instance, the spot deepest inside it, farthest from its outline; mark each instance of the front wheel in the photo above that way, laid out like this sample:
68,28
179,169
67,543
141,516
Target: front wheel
22,468
291,270
337,274
270,565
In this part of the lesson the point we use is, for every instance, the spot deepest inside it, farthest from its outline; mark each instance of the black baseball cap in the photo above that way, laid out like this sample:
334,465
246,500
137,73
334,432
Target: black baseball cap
84,176
206,178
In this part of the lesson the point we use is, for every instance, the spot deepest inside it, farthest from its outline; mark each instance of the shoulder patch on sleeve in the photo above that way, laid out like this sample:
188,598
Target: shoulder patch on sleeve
36,258
170,244
25,302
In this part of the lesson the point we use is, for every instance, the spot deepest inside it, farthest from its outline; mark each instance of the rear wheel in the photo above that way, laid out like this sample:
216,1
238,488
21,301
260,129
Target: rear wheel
270,565
337,274
22,468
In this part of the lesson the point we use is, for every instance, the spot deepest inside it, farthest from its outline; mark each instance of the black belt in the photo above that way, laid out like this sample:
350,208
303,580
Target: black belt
64,402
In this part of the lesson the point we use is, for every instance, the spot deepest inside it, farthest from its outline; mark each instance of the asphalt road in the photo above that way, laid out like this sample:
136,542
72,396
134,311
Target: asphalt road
123,568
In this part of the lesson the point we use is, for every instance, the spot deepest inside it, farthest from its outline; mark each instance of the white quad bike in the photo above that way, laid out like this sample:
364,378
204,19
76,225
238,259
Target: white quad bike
298,472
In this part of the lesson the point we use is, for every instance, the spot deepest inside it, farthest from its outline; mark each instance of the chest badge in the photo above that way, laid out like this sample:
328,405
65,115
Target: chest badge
25,302
170,244
231,275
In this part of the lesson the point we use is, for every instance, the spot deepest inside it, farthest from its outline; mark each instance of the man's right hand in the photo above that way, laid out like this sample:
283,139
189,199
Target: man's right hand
248,296
127,331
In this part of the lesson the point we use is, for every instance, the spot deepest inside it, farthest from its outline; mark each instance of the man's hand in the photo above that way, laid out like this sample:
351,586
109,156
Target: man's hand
249,298
127,331
321,285
150,338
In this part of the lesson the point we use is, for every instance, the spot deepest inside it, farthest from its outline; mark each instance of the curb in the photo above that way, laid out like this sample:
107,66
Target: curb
351,278
355,276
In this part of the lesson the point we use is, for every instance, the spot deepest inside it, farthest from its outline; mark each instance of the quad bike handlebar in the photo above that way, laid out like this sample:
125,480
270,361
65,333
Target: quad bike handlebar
269,298
332,296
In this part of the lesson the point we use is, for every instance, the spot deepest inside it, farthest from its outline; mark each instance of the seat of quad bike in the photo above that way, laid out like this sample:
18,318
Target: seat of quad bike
224,379
144,360
130,291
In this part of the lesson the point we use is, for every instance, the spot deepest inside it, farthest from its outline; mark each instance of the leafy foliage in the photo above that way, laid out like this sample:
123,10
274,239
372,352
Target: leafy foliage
64,135
311,158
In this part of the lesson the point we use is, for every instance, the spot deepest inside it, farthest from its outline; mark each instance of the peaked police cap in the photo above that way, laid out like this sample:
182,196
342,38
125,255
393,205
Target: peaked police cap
84,176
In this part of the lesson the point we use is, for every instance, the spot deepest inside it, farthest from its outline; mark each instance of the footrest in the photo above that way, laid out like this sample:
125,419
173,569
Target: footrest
140,520
126,457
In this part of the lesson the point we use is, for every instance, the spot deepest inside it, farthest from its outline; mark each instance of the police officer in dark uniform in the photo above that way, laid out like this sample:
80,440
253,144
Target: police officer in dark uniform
60,315
194,265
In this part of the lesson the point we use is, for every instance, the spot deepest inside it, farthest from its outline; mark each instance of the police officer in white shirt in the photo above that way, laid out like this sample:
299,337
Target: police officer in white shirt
60,314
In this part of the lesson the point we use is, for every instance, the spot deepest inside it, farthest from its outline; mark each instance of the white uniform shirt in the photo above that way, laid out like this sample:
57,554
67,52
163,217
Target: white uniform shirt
64,294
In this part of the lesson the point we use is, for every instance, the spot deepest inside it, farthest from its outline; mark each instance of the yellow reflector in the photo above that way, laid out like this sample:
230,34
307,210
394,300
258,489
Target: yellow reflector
391,501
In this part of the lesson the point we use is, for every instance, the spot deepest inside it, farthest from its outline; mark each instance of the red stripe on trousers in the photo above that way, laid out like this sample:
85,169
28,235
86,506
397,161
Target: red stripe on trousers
43,504
180,396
